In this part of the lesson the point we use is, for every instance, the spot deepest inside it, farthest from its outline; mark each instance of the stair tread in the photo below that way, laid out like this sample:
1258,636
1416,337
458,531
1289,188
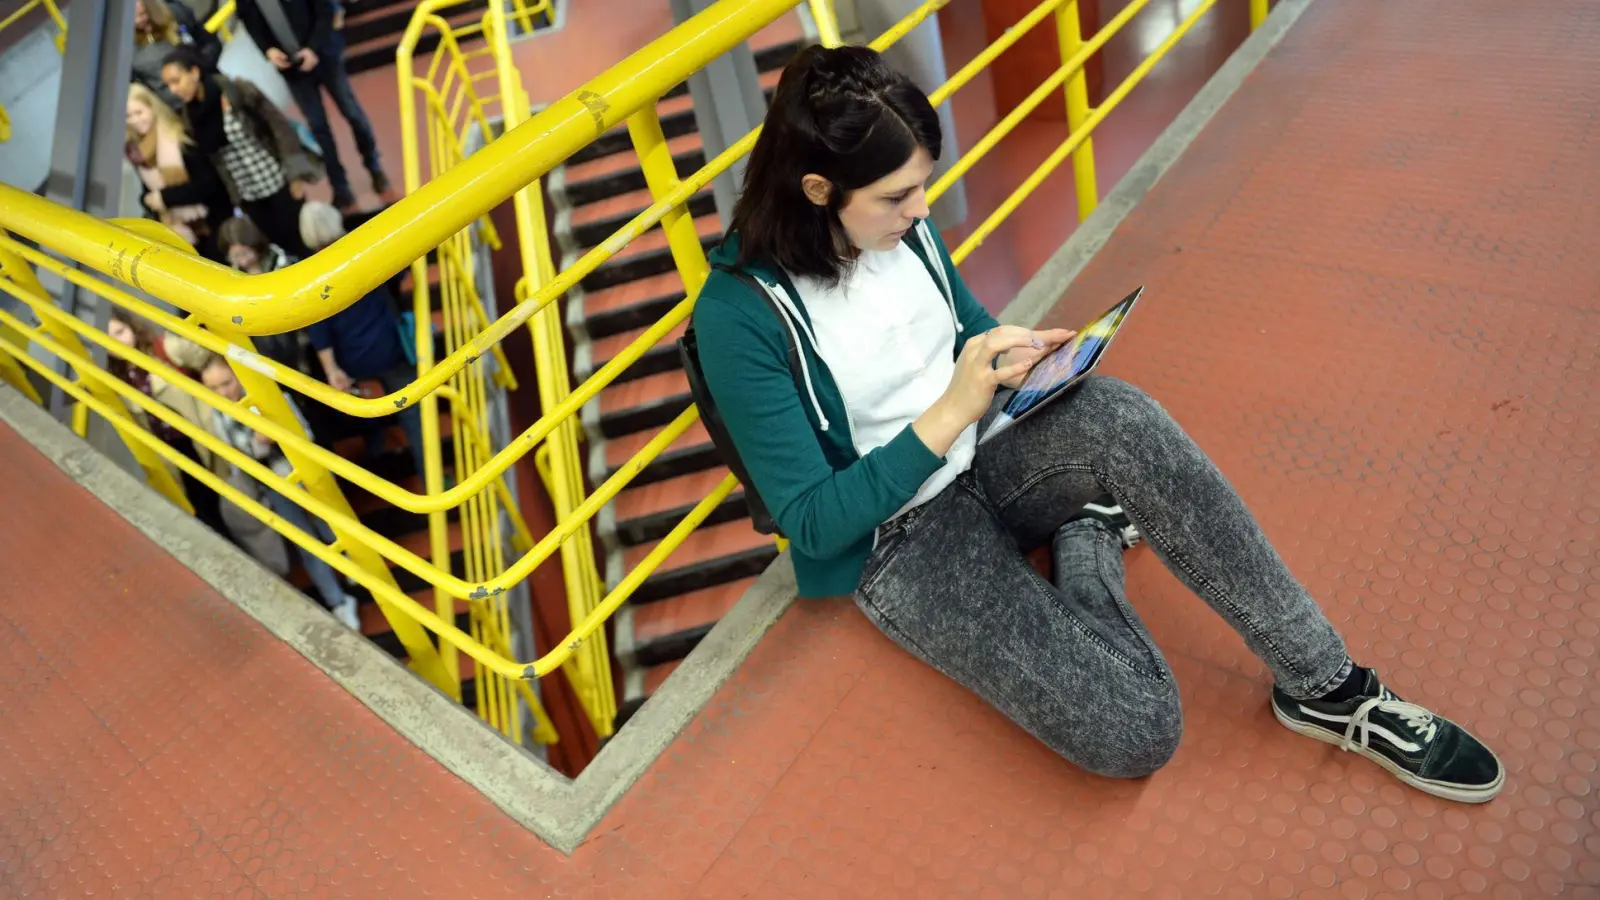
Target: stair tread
613,163
705,544
373,621
696,609
641,290
606,349
643,391
654,240
666,496
630,204
622,449
417,542
655,676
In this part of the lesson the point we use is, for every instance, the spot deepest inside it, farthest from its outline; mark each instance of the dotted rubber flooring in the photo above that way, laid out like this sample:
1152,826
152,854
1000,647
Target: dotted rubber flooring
1374,297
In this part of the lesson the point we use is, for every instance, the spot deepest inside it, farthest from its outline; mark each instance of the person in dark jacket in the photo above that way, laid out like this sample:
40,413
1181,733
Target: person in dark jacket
252,144
182,187
158,29
298,38
362,341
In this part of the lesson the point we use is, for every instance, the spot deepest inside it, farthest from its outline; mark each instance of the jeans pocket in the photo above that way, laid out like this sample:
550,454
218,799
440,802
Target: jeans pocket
887,541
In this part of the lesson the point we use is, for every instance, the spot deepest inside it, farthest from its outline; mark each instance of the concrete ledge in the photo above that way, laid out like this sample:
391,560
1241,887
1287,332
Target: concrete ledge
558,809
562,811
1045,288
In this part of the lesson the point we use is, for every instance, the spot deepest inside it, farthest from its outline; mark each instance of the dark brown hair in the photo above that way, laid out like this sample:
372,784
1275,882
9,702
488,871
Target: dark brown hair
240,230
841,113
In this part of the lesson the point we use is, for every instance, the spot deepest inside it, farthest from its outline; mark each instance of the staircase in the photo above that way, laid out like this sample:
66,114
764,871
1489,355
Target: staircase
596,192
373,28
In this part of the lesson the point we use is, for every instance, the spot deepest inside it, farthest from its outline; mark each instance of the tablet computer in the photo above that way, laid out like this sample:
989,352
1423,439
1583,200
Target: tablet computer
1063,367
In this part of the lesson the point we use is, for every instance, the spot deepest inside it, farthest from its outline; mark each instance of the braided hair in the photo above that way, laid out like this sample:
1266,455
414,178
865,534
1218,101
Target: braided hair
841,113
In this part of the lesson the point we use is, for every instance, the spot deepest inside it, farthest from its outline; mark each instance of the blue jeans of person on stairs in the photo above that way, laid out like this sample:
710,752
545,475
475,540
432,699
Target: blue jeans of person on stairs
307,88
322,575
1070,661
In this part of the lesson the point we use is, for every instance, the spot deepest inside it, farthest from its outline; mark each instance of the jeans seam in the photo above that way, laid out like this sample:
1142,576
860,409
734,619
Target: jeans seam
1129,617
882,620
1051,594
1159,538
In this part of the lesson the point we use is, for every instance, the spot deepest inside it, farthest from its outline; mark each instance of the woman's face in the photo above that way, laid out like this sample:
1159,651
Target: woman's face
877,216
141,18
244,257
185,83
141,118
220,378
121,332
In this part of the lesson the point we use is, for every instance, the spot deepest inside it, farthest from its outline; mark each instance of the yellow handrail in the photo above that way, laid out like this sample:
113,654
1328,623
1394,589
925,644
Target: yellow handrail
435,214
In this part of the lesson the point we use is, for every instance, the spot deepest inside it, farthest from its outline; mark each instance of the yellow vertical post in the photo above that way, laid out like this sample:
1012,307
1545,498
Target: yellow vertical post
827,23
1070,34
661,175
267,397
157,475
1258,13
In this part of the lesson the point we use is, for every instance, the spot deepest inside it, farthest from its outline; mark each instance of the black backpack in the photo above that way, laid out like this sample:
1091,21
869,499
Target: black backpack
689,350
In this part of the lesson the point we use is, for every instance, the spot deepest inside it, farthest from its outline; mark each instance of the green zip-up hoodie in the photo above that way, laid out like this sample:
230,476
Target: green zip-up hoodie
796,442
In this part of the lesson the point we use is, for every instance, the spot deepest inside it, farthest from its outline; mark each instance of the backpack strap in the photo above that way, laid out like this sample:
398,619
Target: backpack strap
793,354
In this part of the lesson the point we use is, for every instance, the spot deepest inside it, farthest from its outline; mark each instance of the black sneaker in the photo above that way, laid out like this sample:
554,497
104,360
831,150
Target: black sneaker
380,182
1107,510
1426,751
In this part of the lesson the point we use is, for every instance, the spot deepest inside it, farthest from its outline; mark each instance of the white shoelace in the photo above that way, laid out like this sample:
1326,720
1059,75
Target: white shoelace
1418,719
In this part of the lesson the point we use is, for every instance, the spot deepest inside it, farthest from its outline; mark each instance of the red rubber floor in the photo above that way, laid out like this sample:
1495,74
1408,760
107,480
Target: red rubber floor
1374,284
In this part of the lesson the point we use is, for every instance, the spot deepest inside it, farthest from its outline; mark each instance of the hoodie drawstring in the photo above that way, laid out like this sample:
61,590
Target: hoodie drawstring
791,318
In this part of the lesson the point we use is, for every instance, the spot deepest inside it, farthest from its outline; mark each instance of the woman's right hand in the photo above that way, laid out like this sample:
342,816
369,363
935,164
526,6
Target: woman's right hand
972,386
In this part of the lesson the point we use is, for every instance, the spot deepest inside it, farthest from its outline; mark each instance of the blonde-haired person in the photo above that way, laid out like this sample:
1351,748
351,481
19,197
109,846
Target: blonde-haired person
158,29
362,341
182,187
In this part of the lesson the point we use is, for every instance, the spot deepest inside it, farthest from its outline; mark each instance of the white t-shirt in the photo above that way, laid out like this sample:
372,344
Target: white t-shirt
888,337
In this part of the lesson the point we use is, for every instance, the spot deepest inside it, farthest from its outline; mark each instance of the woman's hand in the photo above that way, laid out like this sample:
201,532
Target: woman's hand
973,385
297,190
1050,339
153,201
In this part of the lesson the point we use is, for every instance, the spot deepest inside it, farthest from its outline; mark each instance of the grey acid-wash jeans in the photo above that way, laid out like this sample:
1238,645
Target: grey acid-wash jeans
1071,662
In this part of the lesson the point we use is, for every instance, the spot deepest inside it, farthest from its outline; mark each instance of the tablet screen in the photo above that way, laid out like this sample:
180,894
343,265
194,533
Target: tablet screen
1064,366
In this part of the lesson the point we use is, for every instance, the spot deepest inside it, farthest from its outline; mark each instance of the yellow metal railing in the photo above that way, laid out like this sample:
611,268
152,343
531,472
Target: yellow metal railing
437,213
455,102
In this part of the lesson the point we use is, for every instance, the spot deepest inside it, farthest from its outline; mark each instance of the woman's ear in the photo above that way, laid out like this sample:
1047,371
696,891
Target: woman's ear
817,189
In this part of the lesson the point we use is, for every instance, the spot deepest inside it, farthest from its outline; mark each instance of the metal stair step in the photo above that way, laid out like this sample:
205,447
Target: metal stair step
712,555
668,629
663,356
635,304
643,403
647,512
649,254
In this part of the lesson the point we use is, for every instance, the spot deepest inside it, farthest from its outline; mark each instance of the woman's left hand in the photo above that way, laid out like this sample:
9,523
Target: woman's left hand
153,201
1045,342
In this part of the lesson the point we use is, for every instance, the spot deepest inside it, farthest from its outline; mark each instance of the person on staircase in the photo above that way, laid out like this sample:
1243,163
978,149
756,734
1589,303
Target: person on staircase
872,468
362,342
247,250
300,39
182,187
255,149
158,29
217,375
133,332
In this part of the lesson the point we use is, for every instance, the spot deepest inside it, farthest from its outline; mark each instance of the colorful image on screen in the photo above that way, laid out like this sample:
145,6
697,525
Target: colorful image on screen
1062,368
